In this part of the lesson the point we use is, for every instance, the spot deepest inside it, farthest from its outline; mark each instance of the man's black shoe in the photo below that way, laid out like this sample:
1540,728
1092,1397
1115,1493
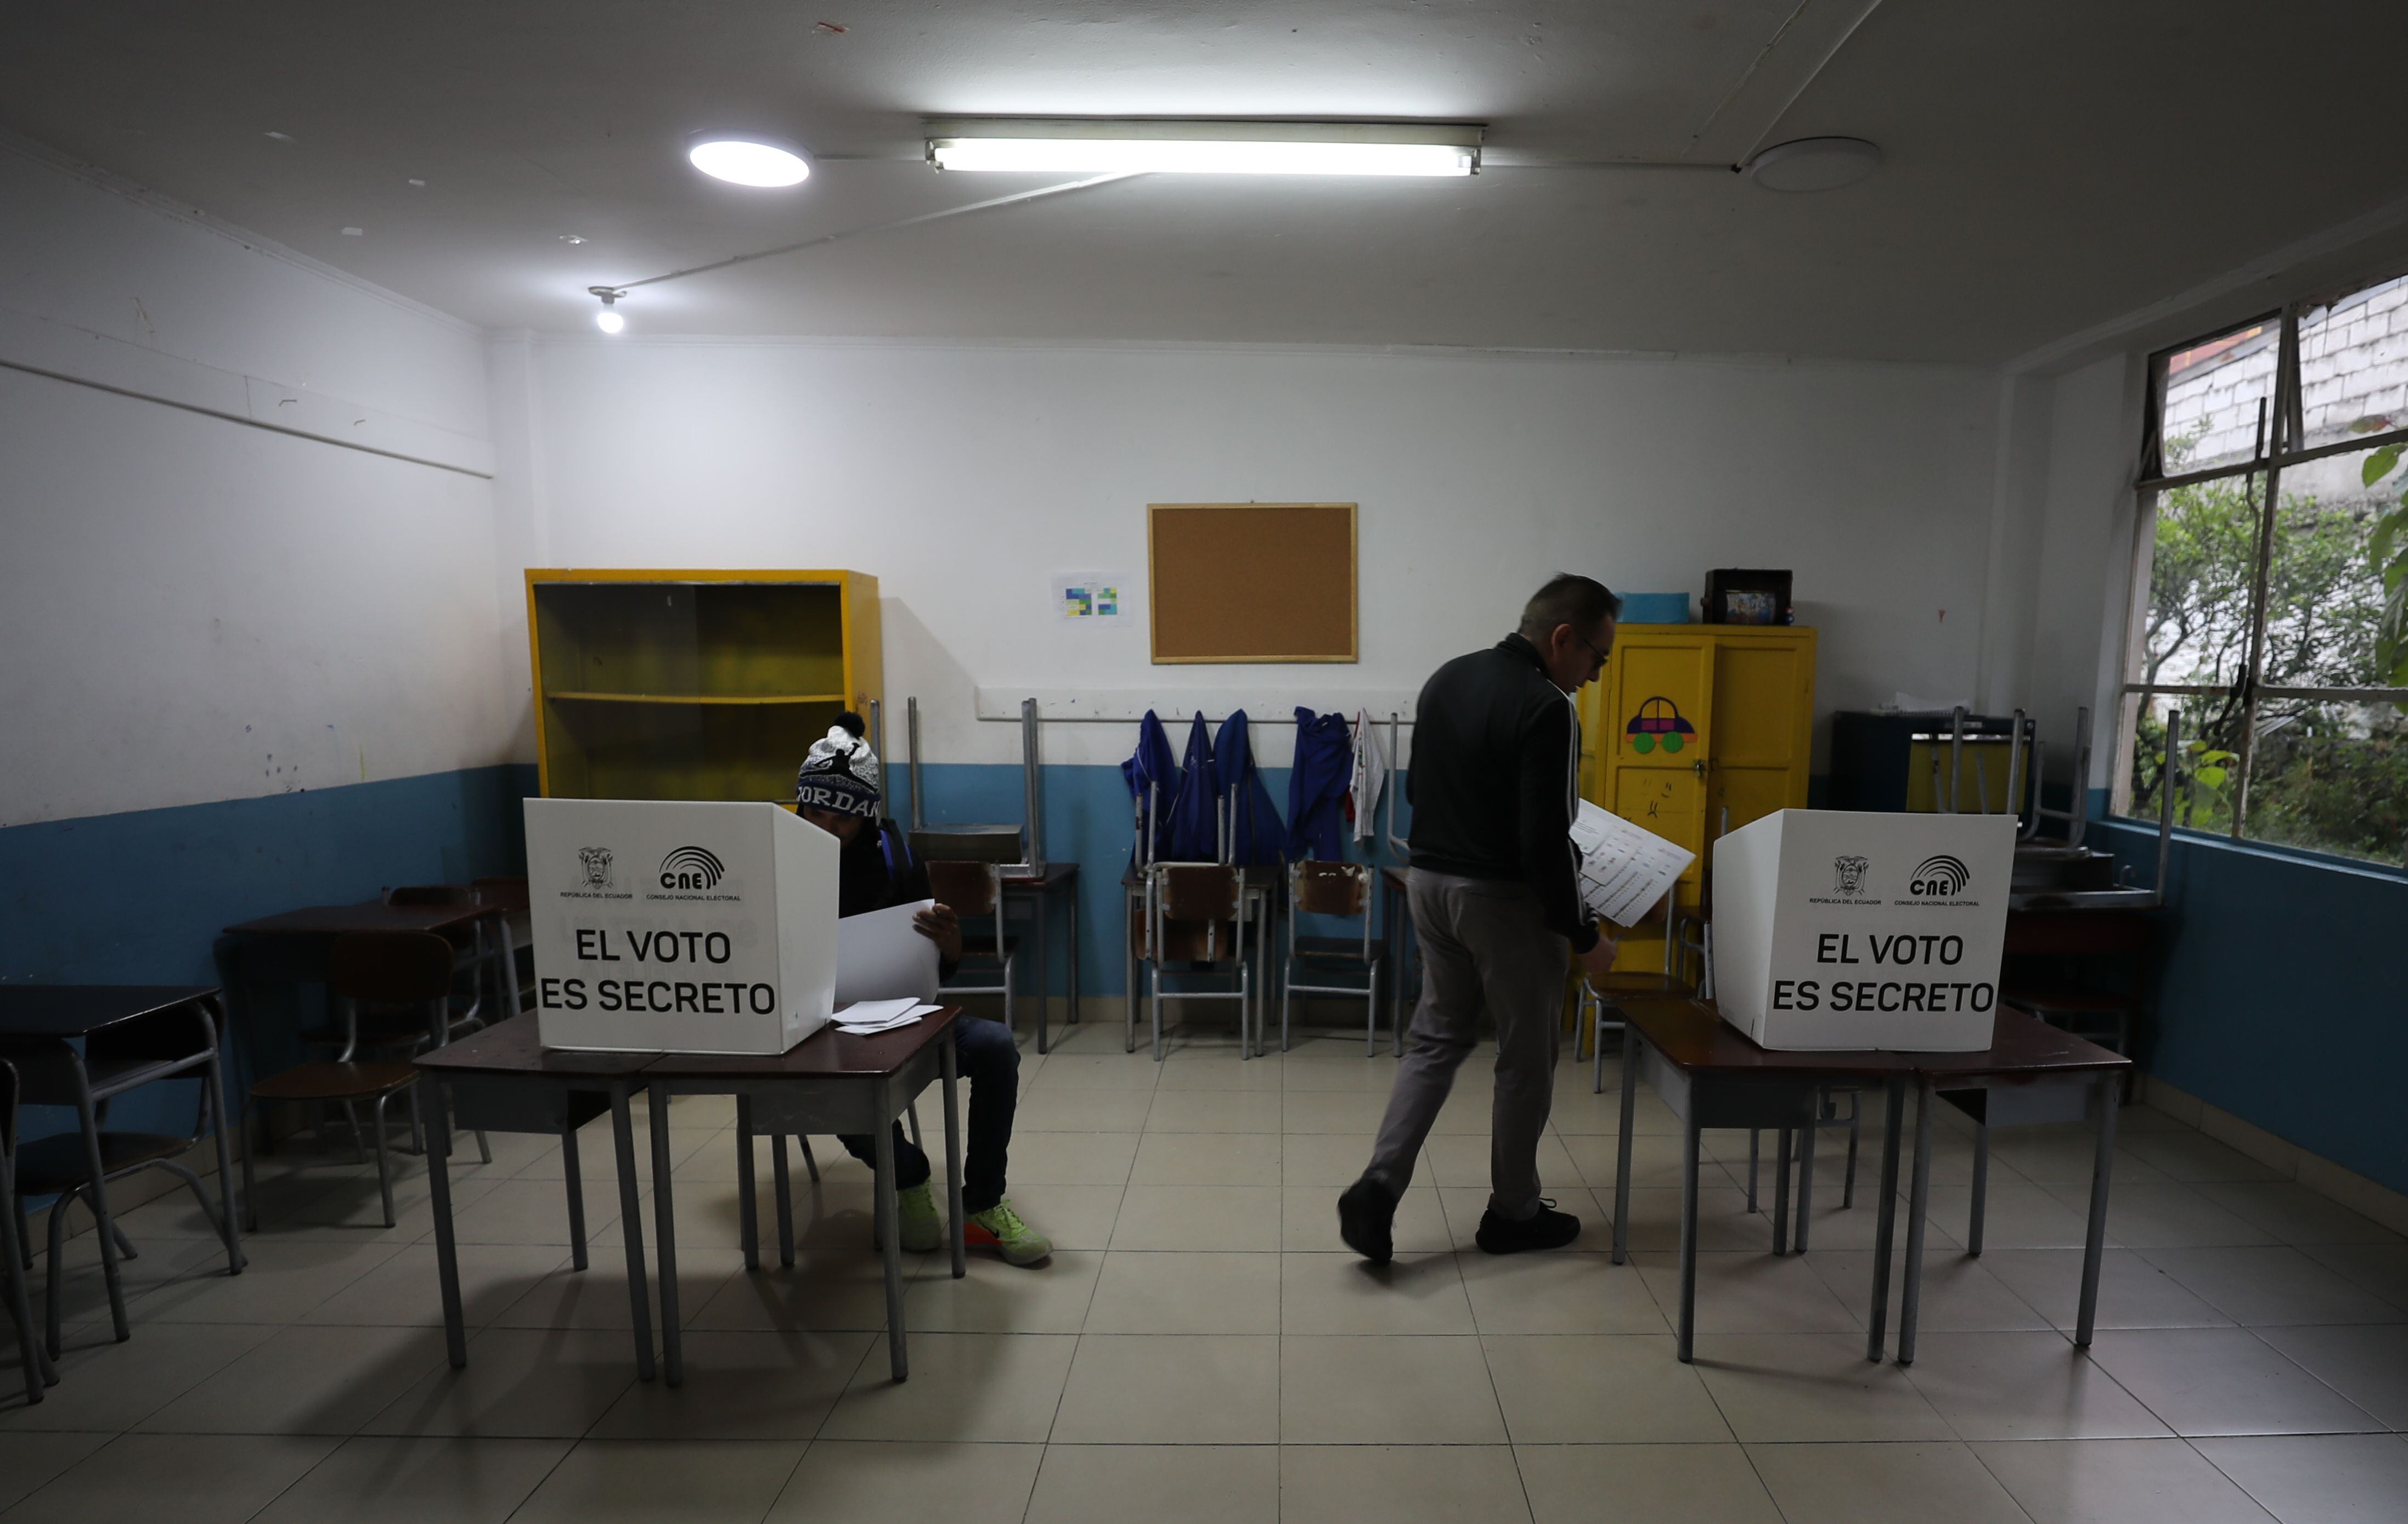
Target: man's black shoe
1547,1230
1365,1215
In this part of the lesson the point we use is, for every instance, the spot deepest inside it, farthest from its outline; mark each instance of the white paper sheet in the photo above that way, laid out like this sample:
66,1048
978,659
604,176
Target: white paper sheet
864,1017
1624,869
881,955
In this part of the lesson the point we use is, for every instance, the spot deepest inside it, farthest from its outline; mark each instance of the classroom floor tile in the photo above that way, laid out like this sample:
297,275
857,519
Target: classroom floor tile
1201,1344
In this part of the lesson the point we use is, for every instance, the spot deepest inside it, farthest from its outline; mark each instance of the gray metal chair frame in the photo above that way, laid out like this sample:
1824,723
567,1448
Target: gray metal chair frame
1160,892
1370,956
16,1260
1005,956
442,1025
124,1060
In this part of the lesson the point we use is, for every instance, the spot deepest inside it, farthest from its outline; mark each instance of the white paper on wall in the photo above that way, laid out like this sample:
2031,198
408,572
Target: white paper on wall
1624,869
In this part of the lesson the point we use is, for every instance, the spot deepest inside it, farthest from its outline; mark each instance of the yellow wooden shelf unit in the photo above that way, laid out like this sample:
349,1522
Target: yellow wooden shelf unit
1696,730
694,684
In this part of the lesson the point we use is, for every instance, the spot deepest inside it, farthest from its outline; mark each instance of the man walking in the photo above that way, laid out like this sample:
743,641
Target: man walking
1495,902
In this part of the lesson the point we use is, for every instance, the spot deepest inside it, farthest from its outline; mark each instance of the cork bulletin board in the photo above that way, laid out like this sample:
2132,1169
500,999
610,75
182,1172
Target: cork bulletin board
1251,582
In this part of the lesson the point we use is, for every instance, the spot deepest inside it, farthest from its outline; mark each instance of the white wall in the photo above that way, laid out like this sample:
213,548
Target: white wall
193,609
964,476
2082,591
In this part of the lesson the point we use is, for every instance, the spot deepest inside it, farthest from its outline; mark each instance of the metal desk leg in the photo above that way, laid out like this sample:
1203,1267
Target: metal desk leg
1885,1221
748,1211
573,1169
509,979
1780,1192
664,1224
1128,987
1044,962
213,1011
2094,1247
950,1061
38,1372
1918,1205
447,1251
1980,1188
1072,894
631,1226
782,1182
1806,1175
890,1227
1631,1047
1688,1231
104,1224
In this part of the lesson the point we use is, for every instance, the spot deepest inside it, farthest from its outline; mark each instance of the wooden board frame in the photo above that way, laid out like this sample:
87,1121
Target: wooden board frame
1218,649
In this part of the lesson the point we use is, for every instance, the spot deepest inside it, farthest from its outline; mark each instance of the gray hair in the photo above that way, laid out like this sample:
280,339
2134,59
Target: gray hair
1568,599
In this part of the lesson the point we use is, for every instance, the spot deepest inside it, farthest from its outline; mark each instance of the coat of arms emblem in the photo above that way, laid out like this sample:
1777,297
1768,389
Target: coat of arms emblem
597,863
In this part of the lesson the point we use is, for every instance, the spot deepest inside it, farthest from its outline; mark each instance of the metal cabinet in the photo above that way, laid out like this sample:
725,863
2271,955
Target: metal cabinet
1695,730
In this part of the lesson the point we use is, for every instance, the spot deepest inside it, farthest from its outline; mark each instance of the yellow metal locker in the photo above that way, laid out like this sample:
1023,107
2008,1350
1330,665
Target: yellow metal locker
1695,730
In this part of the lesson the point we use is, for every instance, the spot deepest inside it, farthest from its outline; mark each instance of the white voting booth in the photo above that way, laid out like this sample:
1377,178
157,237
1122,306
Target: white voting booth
1838,928
682,928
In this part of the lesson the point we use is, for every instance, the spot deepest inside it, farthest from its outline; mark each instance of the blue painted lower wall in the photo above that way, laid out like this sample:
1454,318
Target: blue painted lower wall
2281,995
2275,999
139,898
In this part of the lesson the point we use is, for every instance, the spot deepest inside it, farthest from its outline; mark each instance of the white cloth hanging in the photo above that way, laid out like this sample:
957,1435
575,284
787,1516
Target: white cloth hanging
1370,775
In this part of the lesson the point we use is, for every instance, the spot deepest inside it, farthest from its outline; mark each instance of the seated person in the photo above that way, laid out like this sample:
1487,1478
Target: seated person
838,791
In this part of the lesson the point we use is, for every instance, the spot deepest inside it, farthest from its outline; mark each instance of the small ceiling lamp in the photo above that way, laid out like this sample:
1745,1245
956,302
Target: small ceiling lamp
609,320
1813,163
743,158
1082,146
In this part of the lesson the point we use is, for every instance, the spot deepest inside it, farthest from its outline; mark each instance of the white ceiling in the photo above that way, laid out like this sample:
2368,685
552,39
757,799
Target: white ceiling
2051,163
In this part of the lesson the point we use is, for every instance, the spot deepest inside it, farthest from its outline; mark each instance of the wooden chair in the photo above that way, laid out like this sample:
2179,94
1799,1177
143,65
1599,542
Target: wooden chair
1341,890
1194,914
399,972
15,1259
477,952
976,889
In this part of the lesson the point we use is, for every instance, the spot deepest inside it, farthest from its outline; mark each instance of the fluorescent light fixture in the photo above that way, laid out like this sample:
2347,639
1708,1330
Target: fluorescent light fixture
747,159
609,320
1814,163
1056,145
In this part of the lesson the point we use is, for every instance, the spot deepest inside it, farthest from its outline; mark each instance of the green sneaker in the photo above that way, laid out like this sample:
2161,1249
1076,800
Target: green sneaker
1018,1243
916,1210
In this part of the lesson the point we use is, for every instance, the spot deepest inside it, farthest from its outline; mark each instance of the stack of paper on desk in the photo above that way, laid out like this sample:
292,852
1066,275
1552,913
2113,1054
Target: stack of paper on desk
1624,869
864,1017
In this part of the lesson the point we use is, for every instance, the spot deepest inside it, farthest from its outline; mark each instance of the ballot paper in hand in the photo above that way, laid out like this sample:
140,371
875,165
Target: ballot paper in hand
1624,869
881,955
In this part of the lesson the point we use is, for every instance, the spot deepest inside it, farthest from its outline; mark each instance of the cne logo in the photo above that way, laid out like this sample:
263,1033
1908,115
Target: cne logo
1939,877
691,868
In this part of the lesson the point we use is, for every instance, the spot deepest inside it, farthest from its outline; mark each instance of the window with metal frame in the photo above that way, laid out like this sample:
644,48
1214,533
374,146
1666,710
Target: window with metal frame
2269,585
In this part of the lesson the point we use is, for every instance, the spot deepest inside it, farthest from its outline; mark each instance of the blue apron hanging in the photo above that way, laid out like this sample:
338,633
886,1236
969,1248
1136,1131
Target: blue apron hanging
1195,834
1316,790
1256,831
1152,764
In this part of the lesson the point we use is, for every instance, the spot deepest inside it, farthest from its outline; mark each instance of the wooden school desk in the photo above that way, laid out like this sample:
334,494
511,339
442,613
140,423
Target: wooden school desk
2031,1072
505,1079
1712,1076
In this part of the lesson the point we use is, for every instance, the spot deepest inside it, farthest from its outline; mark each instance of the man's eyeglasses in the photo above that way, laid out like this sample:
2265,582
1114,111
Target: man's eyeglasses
1592,649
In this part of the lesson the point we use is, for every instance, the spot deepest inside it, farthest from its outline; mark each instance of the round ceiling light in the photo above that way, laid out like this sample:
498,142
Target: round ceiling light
747,159
1814,163
608,320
